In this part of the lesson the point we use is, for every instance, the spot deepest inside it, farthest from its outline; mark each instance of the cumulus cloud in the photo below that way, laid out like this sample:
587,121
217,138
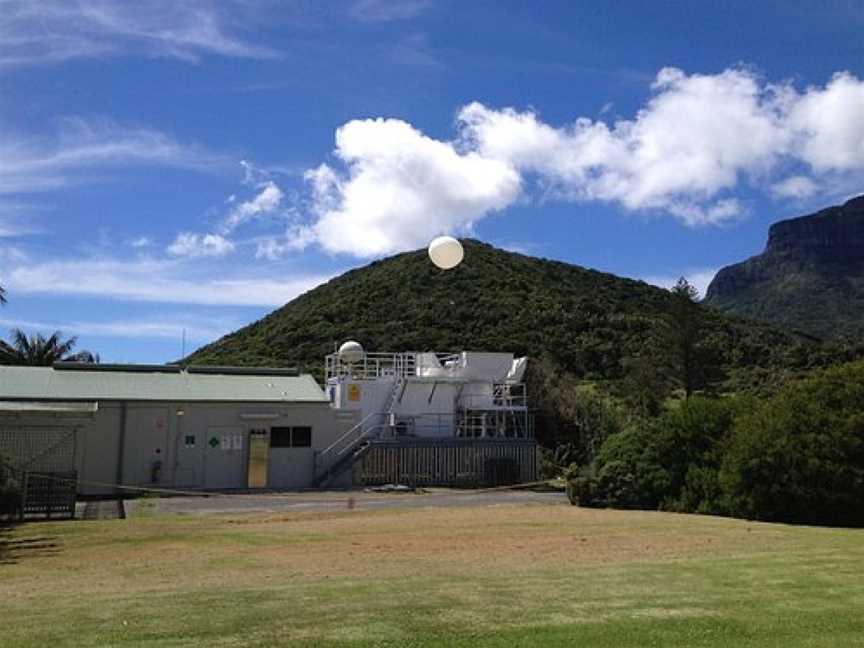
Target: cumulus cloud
696,141
828,124
189,244
400,187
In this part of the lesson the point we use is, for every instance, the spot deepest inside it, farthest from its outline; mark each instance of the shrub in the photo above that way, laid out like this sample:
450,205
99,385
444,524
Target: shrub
671,462
582,488
799,457
690,443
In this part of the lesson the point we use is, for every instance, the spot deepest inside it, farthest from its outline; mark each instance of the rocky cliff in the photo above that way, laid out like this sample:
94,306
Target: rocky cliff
810,276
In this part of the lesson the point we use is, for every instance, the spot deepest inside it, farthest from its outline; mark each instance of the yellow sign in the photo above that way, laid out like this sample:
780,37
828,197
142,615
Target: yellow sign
353,392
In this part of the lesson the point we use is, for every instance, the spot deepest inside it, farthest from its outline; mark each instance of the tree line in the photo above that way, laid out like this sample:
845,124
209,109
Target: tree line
795,455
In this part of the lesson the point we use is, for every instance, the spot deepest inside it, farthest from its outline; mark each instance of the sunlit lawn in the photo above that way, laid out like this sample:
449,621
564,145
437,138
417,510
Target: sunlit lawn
513,575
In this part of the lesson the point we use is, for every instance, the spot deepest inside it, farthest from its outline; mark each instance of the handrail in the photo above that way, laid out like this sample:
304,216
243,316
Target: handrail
341,438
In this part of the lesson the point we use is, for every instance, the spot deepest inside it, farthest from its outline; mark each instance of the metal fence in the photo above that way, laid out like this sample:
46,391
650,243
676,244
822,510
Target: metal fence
449,463
37,473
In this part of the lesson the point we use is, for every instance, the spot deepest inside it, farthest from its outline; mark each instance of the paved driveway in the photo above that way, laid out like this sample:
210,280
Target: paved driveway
337,501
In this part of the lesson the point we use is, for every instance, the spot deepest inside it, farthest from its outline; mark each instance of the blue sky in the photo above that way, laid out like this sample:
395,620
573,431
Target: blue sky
171,166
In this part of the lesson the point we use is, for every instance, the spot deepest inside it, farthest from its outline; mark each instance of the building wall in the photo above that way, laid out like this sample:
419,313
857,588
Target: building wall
205,447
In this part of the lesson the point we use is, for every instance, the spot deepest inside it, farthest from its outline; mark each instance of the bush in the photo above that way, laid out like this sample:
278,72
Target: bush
799,457
796,457
581,486
629,471
691,442
671,462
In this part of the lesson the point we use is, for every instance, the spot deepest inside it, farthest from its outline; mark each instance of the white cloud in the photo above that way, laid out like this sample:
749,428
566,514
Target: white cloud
31,165
698,278
53,31
374,11
794,187
150,281
172,328
193,245
829,124
696,141
141,242
401,188
266,201
677,154
297,238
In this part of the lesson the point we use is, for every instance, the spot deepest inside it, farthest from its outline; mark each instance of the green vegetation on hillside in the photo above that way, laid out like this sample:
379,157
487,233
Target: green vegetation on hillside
586,323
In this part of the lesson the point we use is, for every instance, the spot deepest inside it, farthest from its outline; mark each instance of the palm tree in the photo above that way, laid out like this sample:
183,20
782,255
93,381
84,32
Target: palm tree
39,351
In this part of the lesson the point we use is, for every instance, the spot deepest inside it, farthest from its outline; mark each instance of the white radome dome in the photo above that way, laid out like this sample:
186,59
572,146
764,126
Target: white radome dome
351,351
446,252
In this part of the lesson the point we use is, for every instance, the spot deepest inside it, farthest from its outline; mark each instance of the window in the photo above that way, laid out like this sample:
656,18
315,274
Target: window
301,437
189,441
280,437
291,437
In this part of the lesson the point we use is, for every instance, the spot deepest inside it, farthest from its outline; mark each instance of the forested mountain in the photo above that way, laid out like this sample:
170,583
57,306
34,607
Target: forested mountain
587,324
810,276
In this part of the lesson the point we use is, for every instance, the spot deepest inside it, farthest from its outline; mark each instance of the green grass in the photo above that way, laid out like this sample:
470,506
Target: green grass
500,576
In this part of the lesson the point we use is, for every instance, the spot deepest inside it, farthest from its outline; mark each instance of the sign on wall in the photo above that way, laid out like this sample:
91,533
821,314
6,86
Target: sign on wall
231,441
353,392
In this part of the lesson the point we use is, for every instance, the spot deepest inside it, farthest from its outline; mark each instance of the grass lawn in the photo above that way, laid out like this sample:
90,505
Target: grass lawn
510,575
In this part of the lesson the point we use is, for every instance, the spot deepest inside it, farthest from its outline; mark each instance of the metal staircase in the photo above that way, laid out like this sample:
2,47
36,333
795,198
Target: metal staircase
344,451
351,446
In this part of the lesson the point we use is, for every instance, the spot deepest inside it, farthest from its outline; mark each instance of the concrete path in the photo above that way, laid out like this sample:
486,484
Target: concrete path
340,501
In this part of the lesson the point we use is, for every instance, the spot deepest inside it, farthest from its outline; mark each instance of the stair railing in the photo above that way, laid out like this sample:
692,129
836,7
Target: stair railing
348,439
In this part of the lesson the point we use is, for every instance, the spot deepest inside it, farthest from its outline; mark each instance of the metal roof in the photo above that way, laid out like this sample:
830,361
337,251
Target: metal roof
47,383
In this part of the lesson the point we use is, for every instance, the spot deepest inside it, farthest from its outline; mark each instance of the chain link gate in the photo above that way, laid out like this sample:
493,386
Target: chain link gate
37,472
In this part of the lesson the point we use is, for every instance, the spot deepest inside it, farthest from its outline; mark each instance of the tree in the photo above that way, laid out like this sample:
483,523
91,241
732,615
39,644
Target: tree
684,333
37,350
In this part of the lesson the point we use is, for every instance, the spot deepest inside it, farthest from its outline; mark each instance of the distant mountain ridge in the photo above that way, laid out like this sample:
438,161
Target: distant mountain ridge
810,276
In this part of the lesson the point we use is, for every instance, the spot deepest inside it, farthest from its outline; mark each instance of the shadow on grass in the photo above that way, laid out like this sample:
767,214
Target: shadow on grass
13,550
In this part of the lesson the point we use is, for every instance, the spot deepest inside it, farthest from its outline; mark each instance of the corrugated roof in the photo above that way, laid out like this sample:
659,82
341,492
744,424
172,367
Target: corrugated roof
46,383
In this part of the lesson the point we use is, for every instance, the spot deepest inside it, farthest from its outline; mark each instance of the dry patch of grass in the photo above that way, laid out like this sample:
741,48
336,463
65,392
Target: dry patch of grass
419,575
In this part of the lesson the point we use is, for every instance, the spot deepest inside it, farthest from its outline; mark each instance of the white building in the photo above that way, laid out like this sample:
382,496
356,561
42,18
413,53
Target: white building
423,418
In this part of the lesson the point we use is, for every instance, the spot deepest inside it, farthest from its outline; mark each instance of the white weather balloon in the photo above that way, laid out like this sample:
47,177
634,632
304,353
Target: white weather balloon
446,252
